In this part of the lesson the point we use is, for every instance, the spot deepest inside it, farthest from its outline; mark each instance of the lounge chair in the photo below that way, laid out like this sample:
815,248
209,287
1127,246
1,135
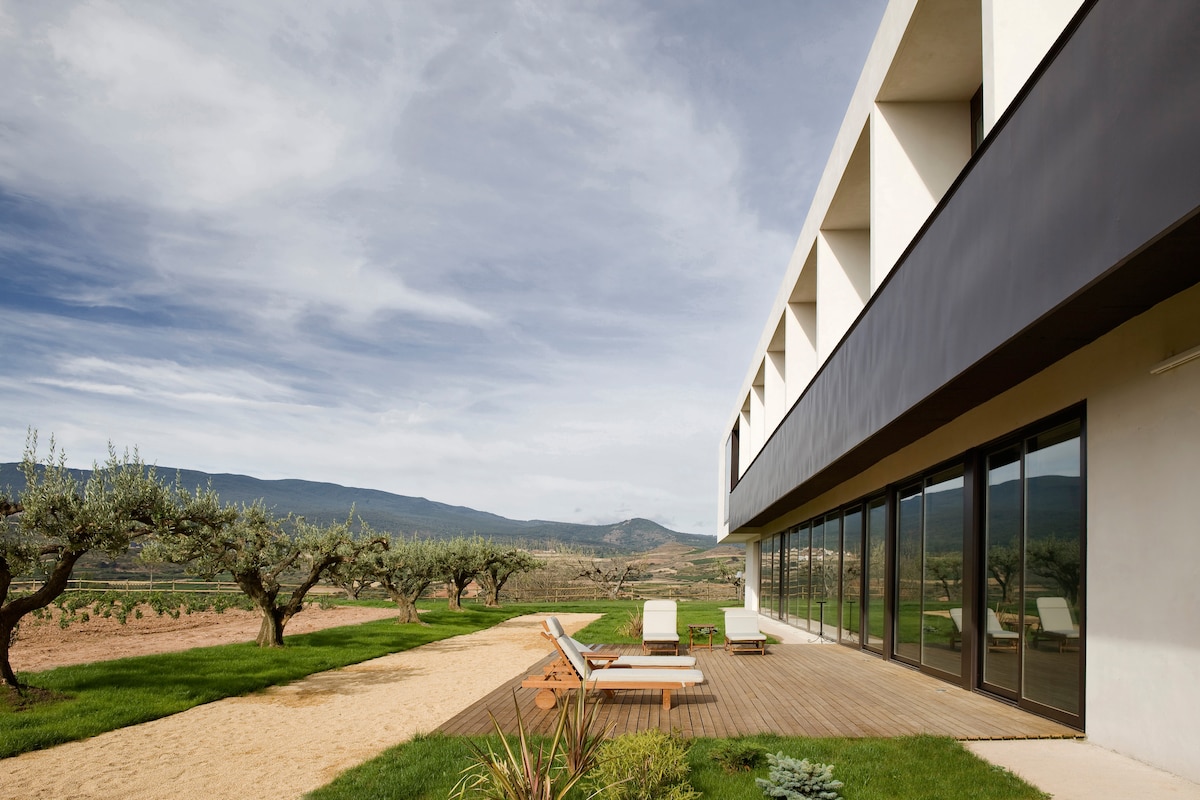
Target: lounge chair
659,630
741,632
997,634
601,660
579,674
1055,622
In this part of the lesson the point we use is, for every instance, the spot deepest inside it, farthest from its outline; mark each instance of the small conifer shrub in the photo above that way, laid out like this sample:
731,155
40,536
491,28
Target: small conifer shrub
799,779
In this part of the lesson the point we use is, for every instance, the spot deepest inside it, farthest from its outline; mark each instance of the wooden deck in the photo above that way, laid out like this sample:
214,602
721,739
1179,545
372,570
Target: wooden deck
794,690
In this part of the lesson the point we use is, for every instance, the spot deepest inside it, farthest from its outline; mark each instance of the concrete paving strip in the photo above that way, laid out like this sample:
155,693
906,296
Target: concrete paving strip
1078,770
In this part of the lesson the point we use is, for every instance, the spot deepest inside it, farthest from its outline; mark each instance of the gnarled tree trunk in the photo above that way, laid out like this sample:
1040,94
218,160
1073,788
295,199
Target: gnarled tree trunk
408,607
270,633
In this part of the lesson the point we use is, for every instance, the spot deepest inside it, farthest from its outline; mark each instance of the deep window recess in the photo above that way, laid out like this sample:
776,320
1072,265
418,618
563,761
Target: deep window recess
732,445
977,132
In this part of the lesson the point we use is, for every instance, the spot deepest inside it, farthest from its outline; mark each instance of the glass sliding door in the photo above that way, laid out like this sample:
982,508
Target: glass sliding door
797,594
875,573
852,573
825,575
1031,627
941,593
813,560
906,639
768,596
1002,546
1052,669
929,563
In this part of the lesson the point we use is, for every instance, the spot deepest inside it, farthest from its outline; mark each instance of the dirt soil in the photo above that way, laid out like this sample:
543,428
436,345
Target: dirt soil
282,742
42,644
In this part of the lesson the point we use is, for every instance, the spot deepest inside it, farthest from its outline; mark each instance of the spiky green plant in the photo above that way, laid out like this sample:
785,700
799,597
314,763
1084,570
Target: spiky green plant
542,772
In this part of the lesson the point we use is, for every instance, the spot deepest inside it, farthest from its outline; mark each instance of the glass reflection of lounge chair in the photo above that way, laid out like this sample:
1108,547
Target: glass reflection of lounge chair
997,634
1055,622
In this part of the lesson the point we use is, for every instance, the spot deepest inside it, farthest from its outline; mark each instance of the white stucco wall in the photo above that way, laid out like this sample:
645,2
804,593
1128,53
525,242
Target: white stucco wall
917,150
1143,603
843,284
1143,516
1016,36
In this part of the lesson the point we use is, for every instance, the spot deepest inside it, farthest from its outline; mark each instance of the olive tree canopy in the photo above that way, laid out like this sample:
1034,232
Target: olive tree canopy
260,554
54,521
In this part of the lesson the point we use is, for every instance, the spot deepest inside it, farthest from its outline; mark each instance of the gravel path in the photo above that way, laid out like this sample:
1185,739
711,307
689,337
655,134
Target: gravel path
287,740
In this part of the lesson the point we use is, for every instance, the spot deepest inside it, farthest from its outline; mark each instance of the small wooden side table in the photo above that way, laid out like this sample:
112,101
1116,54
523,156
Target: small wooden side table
693,630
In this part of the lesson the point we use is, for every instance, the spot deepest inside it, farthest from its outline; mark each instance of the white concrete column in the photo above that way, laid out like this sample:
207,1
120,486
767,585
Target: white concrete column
843,284
775,380
1016,36
917,150
745,447
751,572
800,320
758,412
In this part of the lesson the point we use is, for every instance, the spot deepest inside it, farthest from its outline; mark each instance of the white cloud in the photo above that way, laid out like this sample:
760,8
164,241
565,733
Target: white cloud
509,255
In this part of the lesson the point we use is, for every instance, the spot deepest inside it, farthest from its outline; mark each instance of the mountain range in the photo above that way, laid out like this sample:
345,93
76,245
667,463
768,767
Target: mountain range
322,503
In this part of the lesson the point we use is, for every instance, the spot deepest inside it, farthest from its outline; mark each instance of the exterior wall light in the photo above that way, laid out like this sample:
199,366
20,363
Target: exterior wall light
1175,361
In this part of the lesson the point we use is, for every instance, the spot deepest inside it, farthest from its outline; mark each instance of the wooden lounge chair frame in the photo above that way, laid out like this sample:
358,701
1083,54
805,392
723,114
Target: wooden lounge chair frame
738,638
577,674
597,659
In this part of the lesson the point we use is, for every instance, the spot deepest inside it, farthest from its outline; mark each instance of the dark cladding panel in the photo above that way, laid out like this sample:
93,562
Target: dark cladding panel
1042,246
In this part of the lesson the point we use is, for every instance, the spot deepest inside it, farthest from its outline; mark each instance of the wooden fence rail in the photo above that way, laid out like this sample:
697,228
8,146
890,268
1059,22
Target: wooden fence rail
80,585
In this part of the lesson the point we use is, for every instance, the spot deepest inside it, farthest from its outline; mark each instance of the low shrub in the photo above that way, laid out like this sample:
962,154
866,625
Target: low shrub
738,755
632,627
647,765
799,779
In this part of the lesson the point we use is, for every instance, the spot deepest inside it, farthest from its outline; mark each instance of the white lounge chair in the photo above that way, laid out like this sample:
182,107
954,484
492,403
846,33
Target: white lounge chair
578,674
601,660
741,632
659,628
1055,622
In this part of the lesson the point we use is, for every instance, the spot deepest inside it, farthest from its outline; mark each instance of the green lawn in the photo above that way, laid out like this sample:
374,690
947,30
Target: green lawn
908,768
112,694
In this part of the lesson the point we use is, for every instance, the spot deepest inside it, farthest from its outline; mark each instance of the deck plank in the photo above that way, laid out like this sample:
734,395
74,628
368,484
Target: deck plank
793,690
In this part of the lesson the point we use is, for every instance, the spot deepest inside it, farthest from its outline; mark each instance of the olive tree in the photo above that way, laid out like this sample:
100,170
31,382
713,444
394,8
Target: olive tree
609,575
500,564
465,559
260,554
55,520
405,568
356,574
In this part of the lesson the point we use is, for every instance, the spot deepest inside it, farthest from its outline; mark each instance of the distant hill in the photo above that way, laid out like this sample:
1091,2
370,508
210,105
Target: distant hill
322,503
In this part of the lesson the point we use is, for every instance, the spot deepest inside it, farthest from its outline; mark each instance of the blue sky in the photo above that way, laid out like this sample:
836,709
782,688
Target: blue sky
508,255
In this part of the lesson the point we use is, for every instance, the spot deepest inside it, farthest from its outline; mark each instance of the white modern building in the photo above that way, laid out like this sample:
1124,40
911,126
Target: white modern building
969,438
